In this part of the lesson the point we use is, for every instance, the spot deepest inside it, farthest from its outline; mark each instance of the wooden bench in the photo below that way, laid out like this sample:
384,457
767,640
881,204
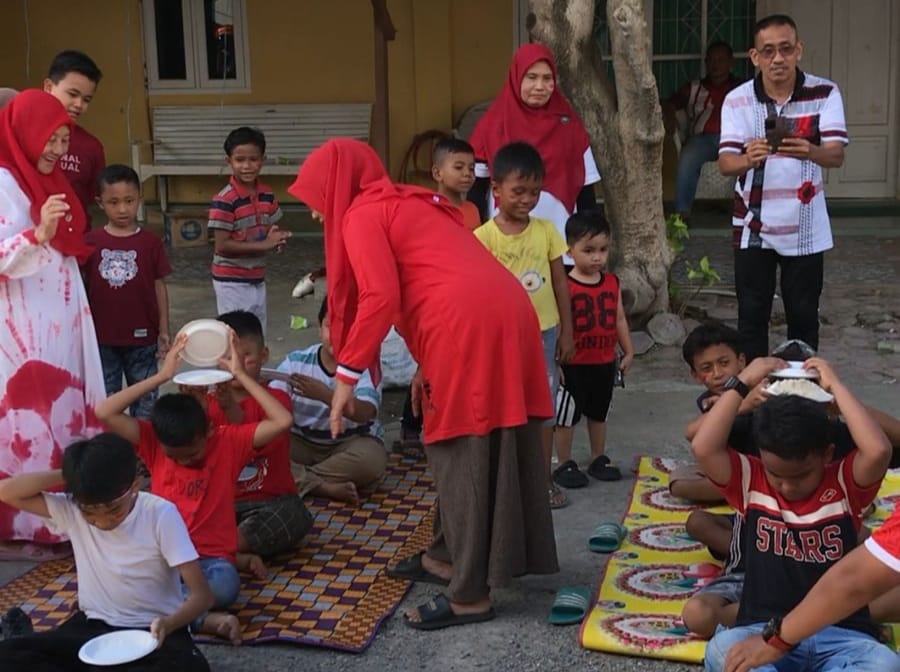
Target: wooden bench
187,139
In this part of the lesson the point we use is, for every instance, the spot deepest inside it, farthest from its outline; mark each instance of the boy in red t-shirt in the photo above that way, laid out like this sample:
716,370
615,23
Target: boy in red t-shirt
72,79
125,283
271,515
196,466
599,324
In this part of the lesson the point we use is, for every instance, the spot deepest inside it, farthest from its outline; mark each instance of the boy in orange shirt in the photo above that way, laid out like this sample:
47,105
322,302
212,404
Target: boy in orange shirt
453,168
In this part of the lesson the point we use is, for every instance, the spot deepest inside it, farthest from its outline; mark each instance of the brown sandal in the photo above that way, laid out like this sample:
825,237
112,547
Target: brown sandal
558,499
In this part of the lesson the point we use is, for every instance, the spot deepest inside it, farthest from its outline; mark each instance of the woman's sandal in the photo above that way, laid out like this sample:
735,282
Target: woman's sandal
437,614
412,569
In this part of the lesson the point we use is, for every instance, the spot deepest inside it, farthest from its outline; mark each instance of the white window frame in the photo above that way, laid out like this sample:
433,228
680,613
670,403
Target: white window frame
704,38
196,68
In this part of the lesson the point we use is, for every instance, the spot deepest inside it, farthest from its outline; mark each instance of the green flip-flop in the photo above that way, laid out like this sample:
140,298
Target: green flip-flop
607,537
570,606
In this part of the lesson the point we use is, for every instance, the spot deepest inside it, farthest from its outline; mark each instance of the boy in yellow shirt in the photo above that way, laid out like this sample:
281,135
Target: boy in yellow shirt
532,249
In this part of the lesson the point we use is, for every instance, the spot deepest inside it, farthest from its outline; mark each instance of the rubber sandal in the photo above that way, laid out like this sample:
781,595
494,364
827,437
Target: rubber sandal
558,499
411,569
603,470
568,475
436,614
570,606
607,537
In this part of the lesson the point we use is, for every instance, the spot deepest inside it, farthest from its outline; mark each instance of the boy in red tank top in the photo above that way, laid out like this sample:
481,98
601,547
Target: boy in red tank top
599,325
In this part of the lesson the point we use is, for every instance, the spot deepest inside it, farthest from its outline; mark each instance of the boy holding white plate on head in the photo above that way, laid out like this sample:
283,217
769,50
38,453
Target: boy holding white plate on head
132,555
196,466
802,513
271,515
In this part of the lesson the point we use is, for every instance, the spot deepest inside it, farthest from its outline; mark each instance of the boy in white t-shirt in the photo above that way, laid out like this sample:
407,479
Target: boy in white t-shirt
132,553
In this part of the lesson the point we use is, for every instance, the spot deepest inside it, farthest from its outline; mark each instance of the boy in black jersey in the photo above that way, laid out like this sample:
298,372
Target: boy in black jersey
802,514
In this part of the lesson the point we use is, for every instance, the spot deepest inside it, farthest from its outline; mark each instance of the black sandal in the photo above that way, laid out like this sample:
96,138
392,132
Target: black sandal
411,569
603,470
568,475
437,614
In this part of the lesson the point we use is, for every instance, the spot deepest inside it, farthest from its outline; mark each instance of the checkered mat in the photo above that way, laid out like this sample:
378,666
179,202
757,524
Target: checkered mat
646,583
333,593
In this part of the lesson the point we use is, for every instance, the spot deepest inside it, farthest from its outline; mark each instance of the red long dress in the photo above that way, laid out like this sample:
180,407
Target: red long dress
400,255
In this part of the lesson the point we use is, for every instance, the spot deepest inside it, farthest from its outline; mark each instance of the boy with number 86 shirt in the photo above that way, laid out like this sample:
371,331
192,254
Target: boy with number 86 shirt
599,325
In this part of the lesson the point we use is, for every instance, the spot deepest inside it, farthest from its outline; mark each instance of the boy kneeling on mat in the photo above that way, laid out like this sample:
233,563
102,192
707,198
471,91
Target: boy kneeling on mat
802,513
132,554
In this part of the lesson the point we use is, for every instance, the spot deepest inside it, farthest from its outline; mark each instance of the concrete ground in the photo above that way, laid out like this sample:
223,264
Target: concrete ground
860,308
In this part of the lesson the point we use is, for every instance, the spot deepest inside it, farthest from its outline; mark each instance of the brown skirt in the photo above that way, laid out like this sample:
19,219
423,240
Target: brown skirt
493,519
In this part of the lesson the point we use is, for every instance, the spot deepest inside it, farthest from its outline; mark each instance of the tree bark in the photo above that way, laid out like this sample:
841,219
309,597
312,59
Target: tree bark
624,121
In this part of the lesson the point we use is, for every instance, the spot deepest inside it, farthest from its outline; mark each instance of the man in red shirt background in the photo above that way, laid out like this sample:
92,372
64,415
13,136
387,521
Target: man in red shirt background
694,112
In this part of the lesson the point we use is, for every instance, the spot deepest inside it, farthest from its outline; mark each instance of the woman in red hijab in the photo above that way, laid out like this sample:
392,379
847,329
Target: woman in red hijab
50,372
399,255
531,108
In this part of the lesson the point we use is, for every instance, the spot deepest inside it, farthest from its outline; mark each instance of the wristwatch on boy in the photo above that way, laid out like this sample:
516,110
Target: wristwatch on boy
738,385
771,635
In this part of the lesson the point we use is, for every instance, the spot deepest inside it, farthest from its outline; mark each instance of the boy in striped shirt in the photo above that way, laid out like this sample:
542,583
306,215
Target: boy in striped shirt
336,468
243,217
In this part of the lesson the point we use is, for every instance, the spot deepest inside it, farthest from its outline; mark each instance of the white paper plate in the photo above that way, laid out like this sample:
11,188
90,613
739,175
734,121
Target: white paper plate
275,374
207,342
115,648
808,374
202,377
809,390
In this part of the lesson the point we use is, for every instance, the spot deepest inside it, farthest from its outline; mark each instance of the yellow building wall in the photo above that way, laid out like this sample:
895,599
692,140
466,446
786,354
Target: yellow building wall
447,55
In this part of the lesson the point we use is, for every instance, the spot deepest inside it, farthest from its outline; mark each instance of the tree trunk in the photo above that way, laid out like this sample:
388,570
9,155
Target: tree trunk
625,125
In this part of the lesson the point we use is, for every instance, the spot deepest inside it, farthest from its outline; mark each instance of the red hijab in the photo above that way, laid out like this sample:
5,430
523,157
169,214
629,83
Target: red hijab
554,129
341,174
26,124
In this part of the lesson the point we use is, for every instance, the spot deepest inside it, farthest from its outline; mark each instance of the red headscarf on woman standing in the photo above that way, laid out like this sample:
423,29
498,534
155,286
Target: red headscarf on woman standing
554,129
341,173
26,124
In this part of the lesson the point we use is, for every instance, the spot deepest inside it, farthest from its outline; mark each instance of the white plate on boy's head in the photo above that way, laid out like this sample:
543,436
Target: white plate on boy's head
207,342
115,648
202,377
801,388
274,374
794,371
